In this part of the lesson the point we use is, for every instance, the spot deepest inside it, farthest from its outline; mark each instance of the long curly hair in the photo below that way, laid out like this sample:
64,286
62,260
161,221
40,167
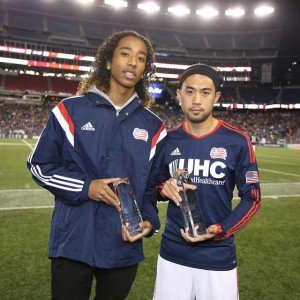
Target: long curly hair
100,76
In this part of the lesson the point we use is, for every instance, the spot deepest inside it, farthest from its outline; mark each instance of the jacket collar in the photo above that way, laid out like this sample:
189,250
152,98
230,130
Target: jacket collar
101,98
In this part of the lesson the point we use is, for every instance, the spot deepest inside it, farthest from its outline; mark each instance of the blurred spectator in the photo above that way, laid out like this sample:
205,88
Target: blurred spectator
21,120
28,120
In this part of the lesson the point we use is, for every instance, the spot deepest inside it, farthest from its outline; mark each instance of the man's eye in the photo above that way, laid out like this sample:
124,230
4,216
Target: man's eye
189,92
205,93
124,53
142,59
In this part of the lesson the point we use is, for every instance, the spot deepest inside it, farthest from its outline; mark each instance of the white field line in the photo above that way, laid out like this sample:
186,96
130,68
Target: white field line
283,157
22,190
276,162
12,144
25,207
43,190
30,146
51,206
277,172
281,183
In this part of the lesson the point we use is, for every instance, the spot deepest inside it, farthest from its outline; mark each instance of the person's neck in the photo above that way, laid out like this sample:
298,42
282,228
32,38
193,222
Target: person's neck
119,95
199,129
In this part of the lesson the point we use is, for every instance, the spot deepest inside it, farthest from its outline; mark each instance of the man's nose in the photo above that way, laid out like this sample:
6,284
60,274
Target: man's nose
197,98
132,61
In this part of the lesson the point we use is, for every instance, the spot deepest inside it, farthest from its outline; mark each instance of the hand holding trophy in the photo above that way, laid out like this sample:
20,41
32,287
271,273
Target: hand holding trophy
189,206
133,227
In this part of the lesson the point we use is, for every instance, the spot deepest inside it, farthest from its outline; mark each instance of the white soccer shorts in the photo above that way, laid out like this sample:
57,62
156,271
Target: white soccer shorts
179,282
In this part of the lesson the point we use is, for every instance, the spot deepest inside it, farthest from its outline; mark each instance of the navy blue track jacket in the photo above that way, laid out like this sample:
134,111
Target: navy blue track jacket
86,139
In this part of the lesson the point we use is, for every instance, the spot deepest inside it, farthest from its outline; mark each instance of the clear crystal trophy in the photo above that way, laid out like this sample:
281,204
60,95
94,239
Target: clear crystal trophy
129,213
189,206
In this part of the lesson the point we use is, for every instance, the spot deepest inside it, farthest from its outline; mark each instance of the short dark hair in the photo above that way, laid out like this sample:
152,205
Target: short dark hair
100,75
201,69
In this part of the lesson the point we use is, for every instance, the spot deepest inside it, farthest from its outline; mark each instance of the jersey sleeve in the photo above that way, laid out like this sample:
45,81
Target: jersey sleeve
247,182
149,207
47,165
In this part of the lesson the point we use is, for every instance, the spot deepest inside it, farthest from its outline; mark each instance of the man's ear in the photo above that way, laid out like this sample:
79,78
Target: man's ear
178,94
218,95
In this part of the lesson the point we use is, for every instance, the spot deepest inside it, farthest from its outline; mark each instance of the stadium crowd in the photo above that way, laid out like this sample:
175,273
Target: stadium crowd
268,127
21,120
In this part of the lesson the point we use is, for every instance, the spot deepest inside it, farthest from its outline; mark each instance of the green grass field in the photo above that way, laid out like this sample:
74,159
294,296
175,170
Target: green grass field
268,248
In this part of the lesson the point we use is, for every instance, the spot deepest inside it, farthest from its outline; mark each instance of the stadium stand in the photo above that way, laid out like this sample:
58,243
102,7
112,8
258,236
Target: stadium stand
20,120
63,25
248,40
46,27
191,40
26,20
59,28
94,31
271,39
26,83
63,86
163,39
258,94
23,34
220,41
290,95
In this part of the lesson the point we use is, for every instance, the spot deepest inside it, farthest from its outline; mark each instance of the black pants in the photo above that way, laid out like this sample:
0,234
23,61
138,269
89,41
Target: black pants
72,280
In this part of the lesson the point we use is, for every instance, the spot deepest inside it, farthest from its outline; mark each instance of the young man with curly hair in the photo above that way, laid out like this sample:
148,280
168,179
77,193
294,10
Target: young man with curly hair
91,140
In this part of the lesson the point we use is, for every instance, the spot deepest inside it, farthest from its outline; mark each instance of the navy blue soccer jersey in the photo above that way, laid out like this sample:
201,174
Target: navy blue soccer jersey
217,162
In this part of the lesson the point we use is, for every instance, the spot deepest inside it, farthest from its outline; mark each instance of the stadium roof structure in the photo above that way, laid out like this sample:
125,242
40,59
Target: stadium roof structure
70,24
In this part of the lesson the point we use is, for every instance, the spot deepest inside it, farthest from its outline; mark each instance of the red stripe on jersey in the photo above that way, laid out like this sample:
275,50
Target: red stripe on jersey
156,137
204,135
66,116
252,158
245,220
175,127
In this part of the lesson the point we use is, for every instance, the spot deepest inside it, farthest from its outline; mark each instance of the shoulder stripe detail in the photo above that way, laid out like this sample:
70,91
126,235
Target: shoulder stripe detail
72,97
252,158
34,148
155,115
65,121
61,184
161,133
175,127
69,179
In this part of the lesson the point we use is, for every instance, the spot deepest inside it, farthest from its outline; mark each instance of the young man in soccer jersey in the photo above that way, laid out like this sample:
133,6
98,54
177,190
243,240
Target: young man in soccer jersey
218,157
91,140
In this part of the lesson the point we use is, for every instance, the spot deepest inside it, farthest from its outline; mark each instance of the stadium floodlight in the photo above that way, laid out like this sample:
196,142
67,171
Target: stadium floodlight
263,10
236,12
170,66
149,7
85,1
179,10
207,12
116,3
167,75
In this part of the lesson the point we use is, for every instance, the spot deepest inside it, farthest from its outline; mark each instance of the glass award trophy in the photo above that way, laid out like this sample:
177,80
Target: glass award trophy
189,206
130,213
